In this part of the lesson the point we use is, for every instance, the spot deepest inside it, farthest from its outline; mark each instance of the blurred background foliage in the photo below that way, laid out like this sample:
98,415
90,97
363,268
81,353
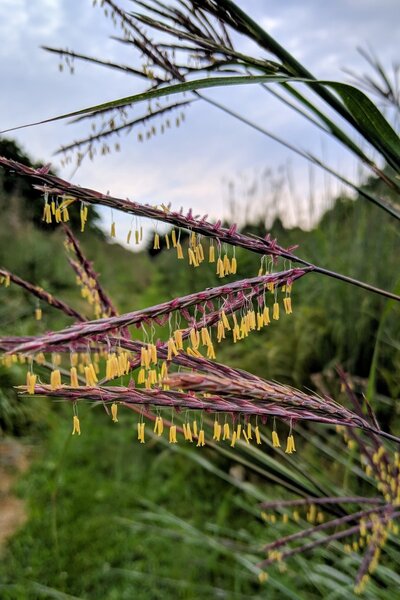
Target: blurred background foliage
108,518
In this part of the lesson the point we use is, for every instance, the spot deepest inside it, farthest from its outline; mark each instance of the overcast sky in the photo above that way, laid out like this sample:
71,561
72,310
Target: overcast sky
189,166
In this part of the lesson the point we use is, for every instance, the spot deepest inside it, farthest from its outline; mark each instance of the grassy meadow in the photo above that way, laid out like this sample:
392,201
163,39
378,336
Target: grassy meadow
309,509
110,518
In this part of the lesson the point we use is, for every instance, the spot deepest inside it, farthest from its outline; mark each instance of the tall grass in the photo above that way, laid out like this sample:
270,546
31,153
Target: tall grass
95,354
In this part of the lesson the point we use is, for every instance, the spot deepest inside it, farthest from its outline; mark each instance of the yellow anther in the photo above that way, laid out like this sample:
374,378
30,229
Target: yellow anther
114,412
211,254
93,373
159,426
205,336
172,435
220,268
76,426
171,348
252,319
225,320
257,434
236,334
217,431
189,433
275,311
40,358
179,252
30,382
211,352
55,379
249,432
290,446
144,358
194,338
178,339
200,251
226,432
142,375
287,303
47,213
90,376
123,364
296,516
191,352
153,353
74,377
312,513
199,254
220,331
275,440
153,376
140,431
164,370
192,258
262,577
38,314
200,439
227,264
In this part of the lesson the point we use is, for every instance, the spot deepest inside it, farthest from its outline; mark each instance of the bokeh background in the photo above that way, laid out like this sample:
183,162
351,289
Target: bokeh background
101,516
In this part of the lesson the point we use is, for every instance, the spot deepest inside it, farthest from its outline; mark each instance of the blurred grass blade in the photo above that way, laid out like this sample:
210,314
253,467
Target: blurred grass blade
331,126
373,373
177,88
371,122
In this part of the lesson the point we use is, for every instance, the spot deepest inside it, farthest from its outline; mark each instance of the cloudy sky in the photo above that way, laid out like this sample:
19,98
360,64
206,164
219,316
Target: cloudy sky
189,166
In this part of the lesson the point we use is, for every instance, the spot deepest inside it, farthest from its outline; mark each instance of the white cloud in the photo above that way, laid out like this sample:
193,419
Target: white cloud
270,24
24,23
186,166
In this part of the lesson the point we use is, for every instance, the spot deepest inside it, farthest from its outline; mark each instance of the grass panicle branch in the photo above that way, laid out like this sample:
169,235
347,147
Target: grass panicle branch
84,266
41,294
265,246
59,187
231,404
99,328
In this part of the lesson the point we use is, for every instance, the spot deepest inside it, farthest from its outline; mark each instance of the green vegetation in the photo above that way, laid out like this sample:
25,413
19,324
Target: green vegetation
110,518
88,534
